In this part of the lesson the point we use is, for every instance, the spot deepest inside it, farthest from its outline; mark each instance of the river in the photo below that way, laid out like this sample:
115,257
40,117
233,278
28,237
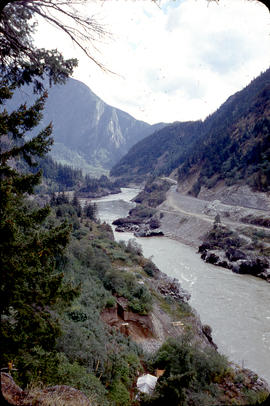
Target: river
237,307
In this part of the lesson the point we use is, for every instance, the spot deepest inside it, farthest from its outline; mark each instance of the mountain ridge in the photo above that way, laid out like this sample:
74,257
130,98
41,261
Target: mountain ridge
89,134
230,144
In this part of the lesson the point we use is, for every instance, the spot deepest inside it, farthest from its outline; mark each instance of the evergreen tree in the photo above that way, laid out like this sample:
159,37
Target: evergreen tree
31,287
90,211
77,205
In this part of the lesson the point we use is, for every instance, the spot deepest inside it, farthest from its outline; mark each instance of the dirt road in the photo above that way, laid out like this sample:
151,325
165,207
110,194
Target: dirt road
187,218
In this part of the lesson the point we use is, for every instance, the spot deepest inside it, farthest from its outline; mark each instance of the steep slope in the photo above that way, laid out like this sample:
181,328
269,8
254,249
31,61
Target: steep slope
159,153
232,145
87,132
236,144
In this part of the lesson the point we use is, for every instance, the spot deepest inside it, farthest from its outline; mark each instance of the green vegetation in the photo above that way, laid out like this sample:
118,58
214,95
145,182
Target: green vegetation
31,284
258,221
82,352
189,372
222,237
100,360
154,192
196,377
125,284
51,297
260,241
142,212
149,268
237,144
93,187
58,177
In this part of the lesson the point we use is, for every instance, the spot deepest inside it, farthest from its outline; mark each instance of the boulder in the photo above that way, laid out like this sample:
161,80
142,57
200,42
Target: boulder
253,266
207,331
60,394
171,287
204,247
126,221
234,254
211,258
154,223
145,231
10,390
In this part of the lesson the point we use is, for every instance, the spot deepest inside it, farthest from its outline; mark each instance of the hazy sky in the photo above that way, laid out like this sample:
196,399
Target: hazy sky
176,60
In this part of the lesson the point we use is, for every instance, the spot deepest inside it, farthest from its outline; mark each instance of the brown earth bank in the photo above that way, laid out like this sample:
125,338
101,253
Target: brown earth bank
151,330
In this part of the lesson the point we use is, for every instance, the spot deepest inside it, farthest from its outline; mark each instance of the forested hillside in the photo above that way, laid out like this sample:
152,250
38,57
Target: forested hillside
57,177
159,153
231,145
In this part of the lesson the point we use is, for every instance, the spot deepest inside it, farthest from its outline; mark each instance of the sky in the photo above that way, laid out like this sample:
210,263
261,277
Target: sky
175,60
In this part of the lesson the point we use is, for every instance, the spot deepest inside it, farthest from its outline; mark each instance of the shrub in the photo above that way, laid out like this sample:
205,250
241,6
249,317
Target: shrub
133,247
111,302
150,268
142,212
124,284
77,376
119,394
187,367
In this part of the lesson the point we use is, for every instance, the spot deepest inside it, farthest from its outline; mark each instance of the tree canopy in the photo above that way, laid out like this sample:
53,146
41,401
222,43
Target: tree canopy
29,247
31,287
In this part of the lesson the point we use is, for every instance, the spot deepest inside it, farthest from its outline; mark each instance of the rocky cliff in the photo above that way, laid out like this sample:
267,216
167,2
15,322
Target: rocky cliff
87,131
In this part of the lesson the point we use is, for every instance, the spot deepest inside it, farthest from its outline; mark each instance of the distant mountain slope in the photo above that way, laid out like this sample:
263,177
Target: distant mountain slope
233,144
88,132
236,143
159,153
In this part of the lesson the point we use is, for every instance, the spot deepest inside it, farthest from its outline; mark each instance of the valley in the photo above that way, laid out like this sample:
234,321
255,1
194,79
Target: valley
133,252
235,306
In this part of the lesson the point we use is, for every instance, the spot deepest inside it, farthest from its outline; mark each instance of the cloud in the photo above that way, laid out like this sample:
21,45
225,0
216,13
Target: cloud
175,61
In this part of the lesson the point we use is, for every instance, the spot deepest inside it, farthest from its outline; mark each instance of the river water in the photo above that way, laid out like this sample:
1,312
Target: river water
237,307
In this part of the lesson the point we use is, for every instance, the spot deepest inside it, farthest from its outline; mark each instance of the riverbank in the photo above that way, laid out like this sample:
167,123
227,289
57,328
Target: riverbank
237,307
244,248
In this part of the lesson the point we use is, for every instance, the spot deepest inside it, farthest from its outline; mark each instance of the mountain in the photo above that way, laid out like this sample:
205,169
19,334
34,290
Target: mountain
88,133
158,153
231,145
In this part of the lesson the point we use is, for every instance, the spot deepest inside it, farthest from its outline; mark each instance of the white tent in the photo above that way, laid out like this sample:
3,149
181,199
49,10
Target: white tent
146,383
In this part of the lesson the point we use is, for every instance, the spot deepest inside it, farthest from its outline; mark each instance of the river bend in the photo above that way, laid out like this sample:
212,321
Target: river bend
237,307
